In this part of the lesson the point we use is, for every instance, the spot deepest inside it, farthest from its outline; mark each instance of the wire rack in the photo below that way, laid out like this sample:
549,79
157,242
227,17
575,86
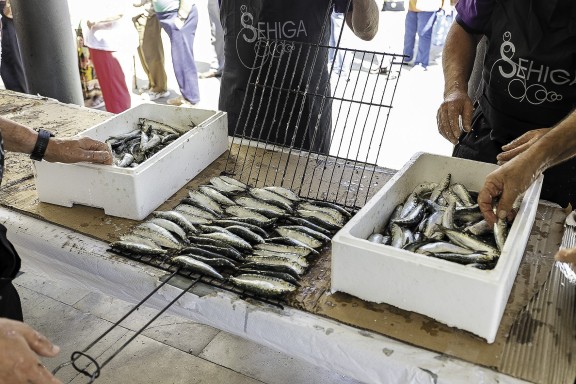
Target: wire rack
309,126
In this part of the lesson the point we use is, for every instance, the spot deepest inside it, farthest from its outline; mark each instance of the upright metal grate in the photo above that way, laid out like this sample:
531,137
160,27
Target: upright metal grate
279,138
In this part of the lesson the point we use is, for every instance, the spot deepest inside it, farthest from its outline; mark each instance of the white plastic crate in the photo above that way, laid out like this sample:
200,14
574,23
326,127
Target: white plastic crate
134,193
463,297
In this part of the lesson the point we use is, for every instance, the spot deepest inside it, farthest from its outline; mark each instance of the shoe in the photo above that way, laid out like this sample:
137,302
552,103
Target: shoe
180,102
210,74
175,100
98,102
379,71
151,96
419,68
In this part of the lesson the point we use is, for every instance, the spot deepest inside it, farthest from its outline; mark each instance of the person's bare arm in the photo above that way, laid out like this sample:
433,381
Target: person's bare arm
363,19
19,138
514,177
457,63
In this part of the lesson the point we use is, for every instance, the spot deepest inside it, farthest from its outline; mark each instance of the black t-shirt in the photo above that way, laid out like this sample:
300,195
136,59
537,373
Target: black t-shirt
9,260
276,71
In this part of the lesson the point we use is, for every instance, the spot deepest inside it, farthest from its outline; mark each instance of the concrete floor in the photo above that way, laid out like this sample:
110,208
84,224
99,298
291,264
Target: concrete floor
174,349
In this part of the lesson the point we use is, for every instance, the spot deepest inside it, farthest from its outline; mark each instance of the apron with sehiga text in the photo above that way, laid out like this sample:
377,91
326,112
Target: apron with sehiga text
528,82
276,72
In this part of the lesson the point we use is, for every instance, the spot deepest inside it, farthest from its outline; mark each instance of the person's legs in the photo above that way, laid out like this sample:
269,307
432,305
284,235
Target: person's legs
153,52
182,43
11,68
410,28
217,34
112,81
425,26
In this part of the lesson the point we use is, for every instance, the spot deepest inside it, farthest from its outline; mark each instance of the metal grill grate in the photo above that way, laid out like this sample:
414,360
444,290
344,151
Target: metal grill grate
280,137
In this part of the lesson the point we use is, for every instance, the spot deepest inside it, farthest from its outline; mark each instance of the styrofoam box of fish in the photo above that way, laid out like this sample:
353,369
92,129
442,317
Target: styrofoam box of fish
457,295
134,193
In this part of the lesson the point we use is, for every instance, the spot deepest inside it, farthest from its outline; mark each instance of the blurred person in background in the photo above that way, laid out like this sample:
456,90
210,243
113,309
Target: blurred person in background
342,59
217,35
11,67
151,50
112,41
420,20
179,18
527,84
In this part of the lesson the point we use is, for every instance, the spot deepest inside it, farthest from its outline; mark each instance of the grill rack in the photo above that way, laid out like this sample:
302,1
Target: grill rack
359,102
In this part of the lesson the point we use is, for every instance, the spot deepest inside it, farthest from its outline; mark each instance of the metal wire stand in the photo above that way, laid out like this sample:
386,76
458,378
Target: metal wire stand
281,136
92,364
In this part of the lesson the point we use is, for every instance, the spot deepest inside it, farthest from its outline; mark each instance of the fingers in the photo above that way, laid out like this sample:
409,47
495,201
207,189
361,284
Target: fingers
567,255
446,126
486,196
37,342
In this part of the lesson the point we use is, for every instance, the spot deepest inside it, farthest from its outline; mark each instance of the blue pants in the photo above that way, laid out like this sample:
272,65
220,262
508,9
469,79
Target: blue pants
182,44
420,23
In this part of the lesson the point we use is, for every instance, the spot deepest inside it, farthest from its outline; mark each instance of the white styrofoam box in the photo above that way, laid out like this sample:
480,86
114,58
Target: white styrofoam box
459,296
135,192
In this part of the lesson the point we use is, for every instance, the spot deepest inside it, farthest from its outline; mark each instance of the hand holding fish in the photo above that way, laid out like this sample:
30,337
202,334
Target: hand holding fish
20,346
454,114
505,184
520,144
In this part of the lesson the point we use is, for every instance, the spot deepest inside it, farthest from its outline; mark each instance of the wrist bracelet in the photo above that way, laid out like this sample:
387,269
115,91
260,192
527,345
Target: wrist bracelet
41,145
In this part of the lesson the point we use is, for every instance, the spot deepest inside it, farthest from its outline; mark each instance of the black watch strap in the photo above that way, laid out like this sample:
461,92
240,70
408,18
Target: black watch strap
41,145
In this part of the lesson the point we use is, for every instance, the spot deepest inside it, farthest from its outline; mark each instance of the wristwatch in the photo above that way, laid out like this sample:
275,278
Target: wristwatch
41,144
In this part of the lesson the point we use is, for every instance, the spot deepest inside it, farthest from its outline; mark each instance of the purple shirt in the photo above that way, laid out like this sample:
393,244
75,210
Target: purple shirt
474,15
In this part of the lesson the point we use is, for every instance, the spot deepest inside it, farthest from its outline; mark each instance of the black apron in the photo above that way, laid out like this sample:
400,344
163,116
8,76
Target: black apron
274,115
528,82
10,305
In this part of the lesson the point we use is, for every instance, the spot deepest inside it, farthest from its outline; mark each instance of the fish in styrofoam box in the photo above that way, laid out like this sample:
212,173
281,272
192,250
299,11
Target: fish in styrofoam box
134,193
457,295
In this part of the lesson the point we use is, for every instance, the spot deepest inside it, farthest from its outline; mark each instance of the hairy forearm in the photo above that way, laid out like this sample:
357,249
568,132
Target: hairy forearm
364,18
458,58
17,138
556,146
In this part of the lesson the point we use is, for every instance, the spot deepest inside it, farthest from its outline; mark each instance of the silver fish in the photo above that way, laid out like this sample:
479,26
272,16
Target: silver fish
266,209
205,200
300,236
272,198
195,211
309,231
463,194
321,218
284,192
177,218
233,181
500,233
437,192
242,212
225,187
213,261
157,234
230,239
170,226
339,217
137,248
263,285
281,248
254,228
279,275
197,266
276,264
215,195
469,241
246,234
301,261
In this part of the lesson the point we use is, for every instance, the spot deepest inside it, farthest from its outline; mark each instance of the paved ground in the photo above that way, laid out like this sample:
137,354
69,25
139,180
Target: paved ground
176,350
